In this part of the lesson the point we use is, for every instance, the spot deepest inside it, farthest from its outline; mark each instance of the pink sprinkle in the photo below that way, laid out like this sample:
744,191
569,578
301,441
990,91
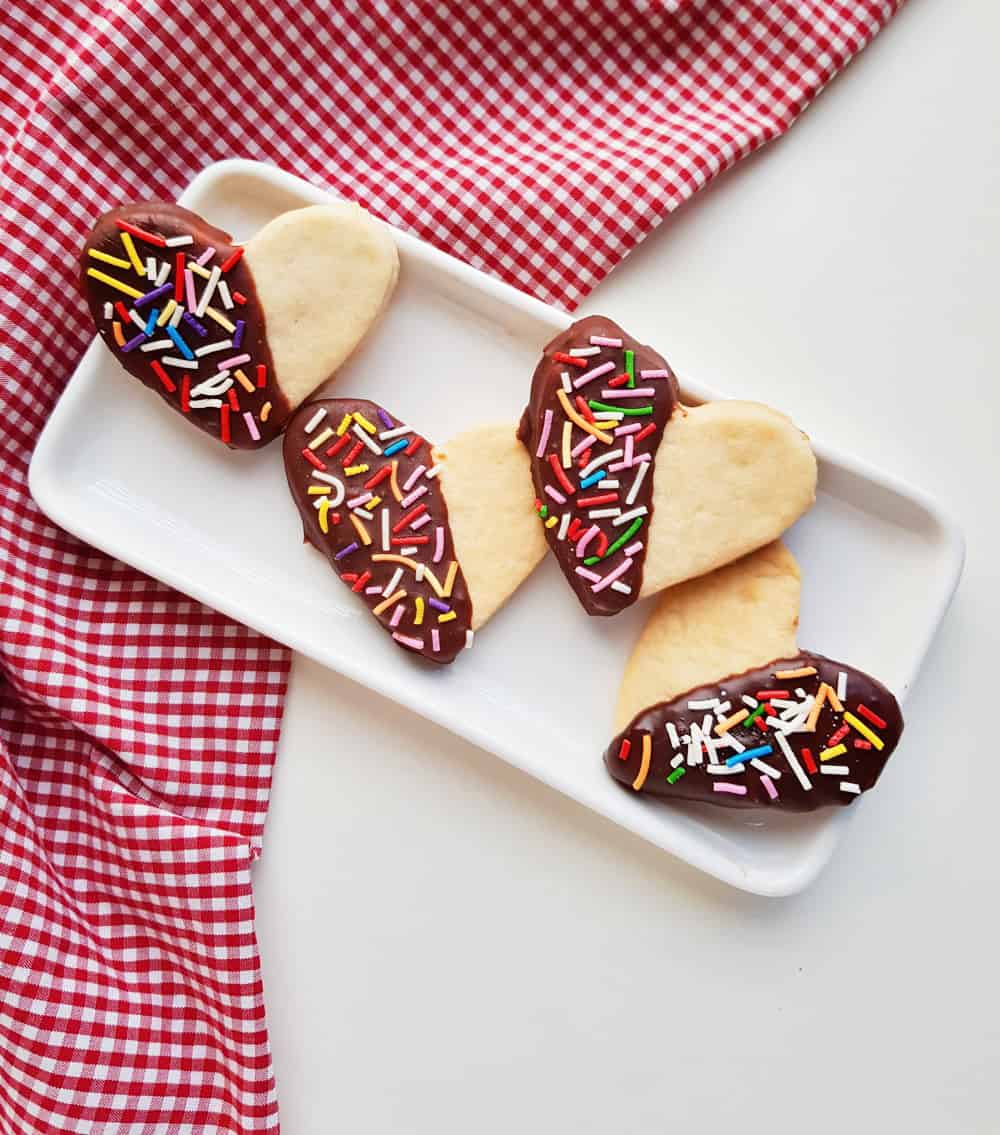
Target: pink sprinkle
624,392
251,426
629,457
409,640
543,441
585,539
359,500
396,615
607,581
590,375
769,788
654,374
408,500
417,524
555,494
189,284
620,465
438,546
621,431
732,789
205,257
435,639
601,341
413,476
373,590
588,440
632,549
234,361
587,574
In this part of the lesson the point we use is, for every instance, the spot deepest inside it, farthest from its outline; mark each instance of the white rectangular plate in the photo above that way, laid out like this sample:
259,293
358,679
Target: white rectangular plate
455,349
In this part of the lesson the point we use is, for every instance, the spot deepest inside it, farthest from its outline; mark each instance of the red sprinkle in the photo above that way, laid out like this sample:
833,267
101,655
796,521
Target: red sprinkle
186,394
602,544
122,311
362,580
412,515
162,375
238,297
376,478
338,445
626,748
308,455
261,375
593,502
224,424
233,400
576,529
572,360
766,695
859,744
149,238
179,278
557,469
584,409
355,449
807,760
618,380
413,446
644,433
872,717
349,576
410,540
585,457
232,259
837,737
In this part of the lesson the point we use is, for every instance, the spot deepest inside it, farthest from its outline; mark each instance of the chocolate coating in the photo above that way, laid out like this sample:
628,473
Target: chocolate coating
166,220
361,566
832,729
598,560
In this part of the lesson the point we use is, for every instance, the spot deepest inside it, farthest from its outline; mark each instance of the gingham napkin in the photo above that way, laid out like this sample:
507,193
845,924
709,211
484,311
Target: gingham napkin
538,141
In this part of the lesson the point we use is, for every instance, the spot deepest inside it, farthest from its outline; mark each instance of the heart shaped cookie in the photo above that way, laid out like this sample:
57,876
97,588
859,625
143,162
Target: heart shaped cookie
428,538
235,336
638,492
719,705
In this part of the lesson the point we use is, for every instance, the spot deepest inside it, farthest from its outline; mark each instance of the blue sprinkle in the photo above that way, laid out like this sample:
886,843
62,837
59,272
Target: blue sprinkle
154,315
395,447
184,349
593,479
740,758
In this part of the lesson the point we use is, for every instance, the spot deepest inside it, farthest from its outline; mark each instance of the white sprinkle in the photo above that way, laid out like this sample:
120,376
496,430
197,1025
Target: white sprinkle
418,573
596,463
161,279
206,295
608,417
622,587
842,686
470,637
710,703
733,742
177,316
150,267
793,762
362,435
409,550
584,352
675,762
363,513
627,516
212,347
179,241
834,770
600,513
763,766
564,525
675,741
543,439
433,471
783,703
390,587
157,345
722,708
725,770
637,483
566,384
217,384
109,309
338,487
227,299
385,530
396,431
137,320
202,402
313,422
850,786
612,484
749,701
183,364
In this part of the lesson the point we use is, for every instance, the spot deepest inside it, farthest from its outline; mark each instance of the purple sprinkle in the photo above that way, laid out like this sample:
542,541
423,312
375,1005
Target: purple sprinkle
133,343
386,420
346,551
238,333
153,295
190,320
438,605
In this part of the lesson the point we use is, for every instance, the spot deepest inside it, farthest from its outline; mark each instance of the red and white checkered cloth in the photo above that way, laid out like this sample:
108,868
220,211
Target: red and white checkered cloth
540,141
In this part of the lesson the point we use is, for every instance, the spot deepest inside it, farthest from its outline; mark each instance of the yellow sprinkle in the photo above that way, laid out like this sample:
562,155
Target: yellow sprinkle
829,754
801,672
647,751
345,421
567,457
117,261
219,318
449,579
373,504
552,522
199,269
418,618
265,410
393,558
581,421
322,436
863,729
361,530
363,422
355,470
245,382
393,483
119,337
166,313
727,724
318,490
133,256
400,594
324,508
831,697
447,617
126,289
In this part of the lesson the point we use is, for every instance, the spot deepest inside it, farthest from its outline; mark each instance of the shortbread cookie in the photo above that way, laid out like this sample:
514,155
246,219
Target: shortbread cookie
781,728
638,492
236,336
428,538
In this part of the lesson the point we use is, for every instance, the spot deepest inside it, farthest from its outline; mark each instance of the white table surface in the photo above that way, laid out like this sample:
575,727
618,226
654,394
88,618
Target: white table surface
450,947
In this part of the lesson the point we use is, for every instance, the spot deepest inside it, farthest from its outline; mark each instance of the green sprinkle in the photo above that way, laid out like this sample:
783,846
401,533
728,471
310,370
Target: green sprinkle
636,412
592,560
753,716
675,776
543,512
629,533
630,367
